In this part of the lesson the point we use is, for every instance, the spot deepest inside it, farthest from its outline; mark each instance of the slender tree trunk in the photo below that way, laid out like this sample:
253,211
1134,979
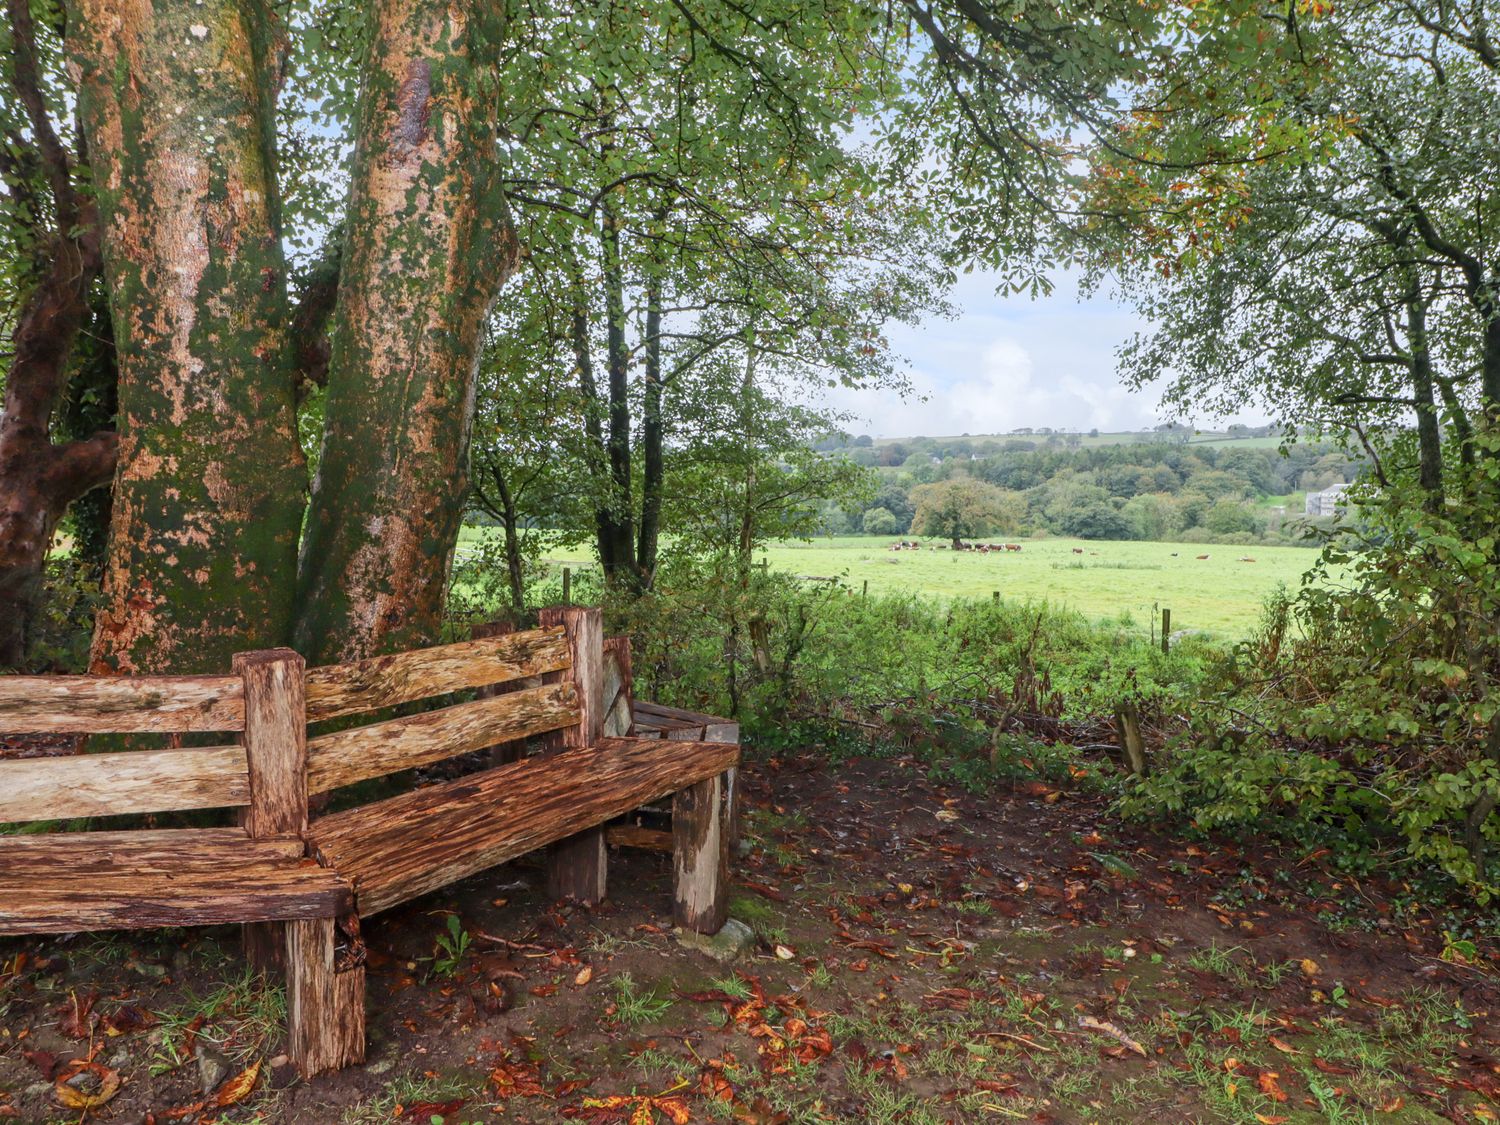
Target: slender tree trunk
653,460
177,101
616,538
429,243
1429,437
510,519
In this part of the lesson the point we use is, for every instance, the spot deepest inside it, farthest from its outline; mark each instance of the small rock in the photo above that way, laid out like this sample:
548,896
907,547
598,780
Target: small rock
119,1059
380,1066
38,1089
213,1068
729,944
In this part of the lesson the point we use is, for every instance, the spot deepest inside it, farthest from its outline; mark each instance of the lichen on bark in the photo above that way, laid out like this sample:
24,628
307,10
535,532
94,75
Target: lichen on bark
429,243
177,98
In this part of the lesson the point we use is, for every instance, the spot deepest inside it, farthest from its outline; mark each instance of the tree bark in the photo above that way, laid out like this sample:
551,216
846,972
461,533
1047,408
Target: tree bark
428,245
38,479
616,537
1429,437
653,460
177,100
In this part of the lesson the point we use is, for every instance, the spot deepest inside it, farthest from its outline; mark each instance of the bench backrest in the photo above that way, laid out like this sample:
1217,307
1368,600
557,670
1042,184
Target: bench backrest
57,788
266,705
376,749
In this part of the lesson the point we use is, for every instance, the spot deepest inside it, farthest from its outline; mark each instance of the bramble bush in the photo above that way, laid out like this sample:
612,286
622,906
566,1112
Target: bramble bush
803,663
1364,711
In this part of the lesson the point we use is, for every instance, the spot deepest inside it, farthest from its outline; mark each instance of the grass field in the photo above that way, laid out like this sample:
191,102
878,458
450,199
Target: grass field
1220,594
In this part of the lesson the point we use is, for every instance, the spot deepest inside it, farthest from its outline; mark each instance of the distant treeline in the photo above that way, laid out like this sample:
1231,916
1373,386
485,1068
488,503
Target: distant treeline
1203,491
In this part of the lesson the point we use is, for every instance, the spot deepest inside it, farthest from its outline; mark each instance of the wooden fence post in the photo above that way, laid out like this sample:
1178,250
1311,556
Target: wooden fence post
576,867
275,740
567,585
1166,631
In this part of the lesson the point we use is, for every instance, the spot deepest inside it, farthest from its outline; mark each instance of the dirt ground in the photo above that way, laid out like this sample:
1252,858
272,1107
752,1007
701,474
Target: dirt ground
921,955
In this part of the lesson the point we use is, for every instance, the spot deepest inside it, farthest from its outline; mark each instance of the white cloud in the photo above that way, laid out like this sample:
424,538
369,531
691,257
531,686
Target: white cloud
1007,361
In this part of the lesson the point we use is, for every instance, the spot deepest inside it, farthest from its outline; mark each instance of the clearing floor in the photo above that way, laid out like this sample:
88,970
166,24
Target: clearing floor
922,955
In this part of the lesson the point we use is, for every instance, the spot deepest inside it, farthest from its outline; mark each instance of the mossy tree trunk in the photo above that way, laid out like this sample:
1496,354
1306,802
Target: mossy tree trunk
427,247
177,98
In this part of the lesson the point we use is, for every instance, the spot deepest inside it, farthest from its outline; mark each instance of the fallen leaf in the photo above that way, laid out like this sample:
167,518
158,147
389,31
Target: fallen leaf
72,1098
424,1112
585,975
238,1088
1283,1046
1271,1119
784,953
77,1018
1088,1023
1270,1087
1309,967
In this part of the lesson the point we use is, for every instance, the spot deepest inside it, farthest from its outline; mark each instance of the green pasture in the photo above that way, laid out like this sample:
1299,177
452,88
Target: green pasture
1108,580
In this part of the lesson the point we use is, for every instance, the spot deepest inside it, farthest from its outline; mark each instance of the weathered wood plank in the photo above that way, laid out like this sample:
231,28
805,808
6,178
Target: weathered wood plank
120,704
347,756
618,687
578,867
403,847
130,782
325,1006
635,836
56,899
700,857
24,859
336,690
275,742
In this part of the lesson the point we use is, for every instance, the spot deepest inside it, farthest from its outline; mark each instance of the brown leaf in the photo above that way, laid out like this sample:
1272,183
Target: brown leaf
1088,1023
1270,1087
128,1019
238,1088
424,1112
77,1018
44,1061
585,975
72,1098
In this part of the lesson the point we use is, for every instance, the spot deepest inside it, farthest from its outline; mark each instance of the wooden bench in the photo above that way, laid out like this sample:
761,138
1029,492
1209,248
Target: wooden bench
301,883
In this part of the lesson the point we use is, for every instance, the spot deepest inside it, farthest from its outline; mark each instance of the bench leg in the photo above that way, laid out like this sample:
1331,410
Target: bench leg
265,946
325,1005
700,857
577,868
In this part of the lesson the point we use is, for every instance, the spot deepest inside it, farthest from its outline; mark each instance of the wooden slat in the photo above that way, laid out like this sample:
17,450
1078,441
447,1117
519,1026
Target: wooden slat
133,880
384,681
120,704
403,847
347,756
130,782
150,849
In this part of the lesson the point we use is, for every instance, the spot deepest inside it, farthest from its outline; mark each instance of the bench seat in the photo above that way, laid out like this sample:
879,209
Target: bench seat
405,846
68,881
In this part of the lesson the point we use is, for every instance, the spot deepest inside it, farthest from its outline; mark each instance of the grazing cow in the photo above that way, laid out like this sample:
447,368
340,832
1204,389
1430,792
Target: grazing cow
1247,558
1078,550
1202,557
1013,546
1174,554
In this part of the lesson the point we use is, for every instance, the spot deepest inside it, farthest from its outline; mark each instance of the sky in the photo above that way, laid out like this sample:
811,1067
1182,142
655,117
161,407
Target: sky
1007,361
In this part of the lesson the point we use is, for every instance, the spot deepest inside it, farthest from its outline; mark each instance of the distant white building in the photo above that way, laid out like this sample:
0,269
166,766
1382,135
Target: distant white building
1325,503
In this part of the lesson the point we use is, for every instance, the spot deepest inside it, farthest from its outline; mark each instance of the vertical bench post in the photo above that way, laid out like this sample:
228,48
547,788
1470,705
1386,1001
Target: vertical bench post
700,856
576,867
325,1001
275,740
